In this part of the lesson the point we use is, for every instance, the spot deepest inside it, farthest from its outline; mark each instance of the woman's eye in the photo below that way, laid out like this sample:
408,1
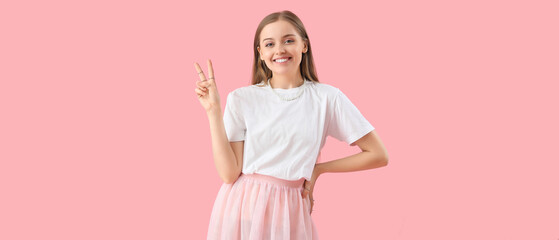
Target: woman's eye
269,44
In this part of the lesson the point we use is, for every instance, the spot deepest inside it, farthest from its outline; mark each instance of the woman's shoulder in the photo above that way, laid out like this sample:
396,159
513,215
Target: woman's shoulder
246,90
326,88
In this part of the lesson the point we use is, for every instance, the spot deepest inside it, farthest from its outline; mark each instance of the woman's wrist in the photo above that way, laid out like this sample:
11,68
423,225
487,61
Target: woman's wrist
214,111
319,168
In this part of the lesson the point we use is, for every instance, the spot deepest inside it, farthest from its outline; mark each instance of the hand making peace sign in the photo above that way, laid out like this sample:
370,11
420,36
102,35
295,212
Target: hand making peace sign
206,88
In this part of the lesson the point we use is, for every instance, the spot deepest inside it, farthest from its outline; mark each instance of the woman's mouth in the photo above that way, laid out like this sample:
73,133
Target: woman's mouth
282,60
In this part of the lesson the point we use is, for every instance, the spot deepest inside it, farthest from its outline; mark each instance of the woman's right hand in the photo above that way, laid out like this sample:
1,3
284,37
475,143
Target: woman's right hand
206,89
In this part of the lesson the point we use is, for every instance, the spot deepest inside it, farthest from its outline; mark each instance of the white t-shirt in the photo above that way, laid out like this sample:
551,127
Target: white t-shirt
284,138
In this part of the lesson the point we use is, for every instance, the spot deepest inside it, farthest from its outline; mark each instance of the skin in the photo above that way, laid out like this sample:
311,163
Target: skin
228,156
280,39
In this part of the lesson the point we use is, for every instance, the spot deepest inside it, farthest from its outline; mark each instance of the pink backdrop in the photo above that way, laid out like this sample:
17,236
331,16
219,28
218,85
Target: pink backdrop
102,136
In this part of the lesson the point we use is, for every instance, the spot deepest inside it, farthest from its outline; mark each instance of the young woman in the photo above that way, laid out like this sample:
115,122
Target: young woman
267,143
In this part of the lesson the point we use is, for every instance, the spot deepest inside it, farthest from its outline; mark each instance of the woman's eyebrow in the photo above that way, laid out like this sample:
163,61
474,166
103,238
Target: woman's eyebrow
286,35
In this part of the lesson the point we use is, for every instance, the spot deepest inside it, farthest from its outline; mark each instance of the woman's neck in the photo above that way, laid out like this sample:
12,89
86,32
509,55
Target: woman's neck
286,81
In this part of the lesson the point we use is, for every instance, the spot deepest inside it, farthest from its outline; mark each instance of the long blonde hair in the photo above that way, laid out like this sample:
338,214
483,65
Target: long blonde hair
260,72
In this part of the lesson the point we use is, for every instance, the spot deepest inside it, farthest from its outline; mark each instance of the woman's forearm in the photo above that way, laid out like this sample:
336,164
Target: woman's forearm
357,162
224,157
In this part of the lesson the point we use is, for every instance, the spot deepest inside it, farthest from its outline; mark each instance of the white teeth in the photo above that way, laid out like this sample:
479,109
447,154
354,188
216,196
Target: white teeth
281,60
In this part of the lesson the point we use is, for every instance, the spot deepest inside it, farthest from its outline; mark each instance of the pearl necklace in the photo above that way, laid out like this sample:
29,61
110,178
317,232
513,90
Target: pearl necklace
291,98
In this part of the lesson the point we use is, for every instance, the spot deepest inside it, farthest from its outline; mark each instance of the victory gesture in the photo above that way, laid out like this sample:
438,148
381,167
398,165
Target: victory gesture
206,88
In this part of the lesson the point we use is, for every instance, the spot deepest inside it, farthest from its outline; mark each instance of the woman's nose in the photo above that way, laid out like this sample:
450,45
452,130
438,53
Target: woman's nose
281,49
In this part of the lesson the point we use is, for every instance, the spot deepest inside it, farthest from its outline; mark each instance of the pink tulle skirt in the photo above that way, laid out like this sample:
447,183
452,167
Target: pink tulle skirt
261,207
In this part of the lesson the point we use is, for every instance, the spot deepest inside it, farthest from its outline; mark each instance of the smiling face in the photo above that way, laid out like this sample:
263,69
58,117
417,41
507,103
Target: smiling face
281,47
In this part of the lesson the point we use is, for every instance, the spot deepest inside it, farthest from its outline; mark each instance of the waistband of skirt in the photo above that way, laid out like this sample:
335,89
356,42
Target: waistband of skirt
273,180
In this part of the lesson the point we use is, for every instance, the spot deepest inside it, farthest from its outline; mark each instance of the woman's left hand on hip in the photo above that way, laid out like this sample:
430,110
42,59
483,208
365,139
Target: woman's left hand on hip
308,186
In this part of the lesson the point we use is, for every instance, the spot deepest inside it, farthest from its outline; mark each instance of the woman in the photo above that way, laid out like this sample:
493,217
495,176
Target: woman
267,143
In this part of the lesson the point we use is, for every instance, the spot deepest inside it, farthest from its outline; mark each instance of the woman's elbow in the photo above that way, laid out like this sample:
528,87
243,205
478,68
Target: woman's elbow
381,161
385,160
230,179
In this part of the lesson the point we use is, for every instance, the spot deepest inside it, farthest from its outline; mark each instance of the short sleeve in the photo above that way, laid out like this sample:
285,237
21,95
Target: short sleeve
233,120
347,123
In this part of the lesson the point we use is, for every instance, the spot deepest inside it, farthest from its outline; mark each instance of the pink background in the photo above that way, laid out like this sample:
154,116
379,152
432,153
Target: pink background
102,137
